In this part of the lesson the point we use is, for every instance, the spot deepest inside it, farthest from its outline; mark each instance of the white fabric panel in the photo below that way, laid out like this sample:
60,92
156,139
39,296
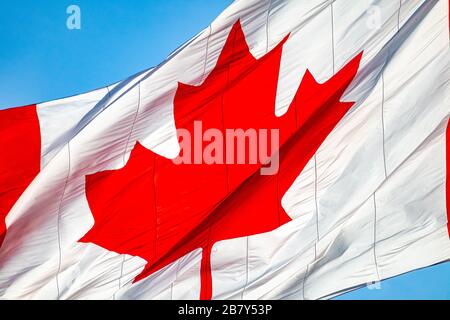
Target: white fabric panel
58,118
413,105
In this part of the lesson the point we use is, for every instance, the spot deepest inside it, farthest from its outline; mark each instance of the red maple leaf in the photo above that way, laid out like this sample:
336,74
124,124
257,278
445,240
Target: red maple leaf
160,211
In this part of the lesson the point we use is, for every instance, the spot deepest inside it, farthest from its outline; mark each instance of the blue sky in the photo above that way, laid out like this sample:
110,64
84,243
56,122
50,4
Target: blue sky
41,60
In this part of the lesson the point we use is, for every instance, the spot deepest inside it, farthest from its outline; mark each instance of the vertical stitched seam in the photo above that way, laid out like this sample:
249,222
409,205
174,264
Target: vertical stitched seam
246,272
315,197
383,127
155,207
375,237
207,51
59,221
134,122
332,38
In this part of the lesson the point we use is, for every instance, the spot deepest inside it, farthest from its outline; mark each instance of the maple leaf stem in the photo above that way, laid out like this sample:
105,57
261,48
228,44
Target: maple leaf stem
205,273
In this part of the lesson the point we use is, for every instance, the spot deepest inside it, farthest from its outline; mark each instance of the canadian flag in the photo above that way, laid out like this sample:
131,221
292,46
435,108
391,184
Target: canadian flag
292,150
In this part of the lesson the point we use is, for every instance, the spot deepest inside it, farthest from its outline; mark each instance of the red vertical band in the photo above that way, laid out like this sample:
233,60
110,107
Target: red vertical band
20,156
448,175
